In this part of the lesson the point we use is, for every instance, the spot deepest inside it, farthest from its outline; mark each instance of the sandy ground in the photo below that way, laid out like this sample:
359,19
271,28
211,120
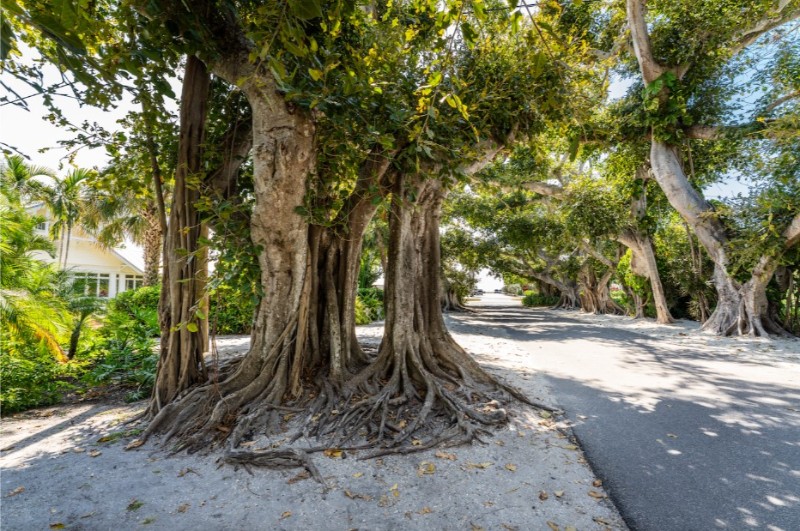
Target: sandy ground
66,468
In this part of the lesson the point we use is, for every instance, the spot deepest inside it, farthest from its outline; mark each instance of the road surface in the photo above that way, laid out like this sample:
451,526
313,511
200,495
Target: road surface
684,439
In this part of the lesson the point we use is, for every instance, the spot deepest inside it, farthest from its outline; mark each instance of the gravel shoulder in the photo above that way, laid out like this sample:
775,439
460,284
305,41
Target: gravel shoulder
66,468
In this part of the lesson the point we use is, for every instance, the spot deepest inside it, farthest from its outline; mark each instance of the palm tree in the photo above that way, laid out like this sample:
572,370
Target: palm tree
21,182
30,308
67,199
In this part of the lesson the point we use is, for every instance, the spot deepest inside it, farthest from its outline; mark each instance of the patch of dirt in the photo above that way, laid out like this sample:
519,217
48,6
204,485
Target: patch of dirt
67,466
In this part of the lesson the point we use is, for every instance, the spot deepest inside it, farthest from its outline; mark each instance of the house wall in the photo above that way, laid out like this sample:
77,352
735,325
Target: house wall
87,256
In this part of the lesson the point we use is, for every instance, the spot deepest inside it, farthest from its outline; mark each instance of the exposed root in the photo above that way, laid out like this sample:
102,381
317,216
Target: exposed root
280,458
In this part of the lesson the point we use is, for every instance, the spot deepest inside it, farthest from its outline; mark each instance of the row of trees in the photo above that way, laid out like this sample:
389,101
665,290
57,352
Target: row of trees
299,120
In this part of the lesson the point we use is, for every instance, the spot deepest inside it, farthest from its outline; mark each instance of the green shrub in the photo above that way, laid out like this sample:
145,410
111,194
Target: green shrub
30,376
139,305
369,305
232,311
124,352
532,299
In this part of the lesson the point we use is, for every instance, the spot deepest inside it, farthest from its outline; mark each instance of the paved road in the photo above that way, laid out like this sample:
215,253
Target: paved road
684,440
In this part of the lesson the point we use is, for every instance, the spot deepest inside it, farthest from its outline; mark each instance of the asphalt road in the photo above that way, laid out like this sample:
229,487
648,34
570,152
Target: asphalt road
683,439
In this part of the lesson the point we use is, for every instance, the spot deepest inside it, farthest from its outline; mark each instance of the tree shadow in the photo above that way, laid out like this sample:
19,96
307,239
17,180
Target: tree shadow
683,438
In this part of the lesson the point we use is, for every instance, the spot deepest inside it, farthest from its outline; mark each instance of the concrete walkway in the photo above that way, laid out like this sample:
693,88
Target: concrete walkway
684,439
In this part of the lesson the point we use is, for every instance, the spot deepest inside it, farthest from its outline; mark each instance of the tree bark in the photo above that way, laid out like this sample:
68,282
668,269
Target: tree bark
183,316
644,264
283,158
152,246
419,371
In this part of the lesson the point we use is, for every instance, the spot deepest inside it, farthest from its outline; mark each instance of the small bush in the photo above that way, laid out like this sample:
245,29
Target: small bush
533,299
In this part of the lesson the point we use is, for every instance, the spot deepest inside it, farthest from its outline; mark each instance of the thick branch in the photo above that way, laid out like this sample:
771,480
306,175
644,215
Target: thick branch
550,190
651,70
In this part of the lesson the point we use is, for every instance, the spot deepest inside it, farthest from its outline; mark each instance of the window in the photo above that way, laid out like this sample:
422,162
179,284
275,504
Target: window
41,227
133,281
91,284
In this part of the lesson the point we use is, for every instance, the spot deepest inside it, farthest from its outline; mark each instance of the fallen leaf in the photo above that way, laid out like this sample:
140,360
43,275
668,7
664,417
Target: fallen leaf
511,467
134,505
500,443
476,527
305,474
444,455
57,525
558,493
384,501
78,450
672,435
570,528
402,424
289,416
416,442
107,438
597,482
333,453
425,468
543,495
478,465
425,510
488,504
601,521
553,526
136,443
358,474
570,447
394,491
509,527
597,495
185,471
148,521
18,490
545,414
356,496
286,514
95,453
182,508
223,429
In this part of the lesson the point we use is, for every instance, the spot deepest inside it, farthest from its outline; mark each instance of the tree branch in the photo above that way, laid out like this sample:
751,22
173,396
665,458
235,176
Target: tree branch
642,47
549,190
748,36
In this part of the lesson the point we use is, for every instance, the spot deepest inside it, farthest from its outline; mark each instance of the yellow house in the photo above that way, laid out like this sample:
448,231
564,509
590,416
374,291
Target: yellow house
104,272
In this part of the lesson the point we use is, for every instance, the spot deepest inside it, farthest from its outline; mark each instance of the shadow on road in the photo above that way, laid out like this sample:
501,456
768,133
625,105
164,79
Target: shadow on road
683,438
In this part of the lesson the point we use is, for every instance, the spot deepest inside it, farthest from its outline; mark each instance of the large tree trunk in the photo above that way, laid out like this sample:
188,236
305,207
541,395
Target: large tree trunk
151,244
419,371
283,158
739,307
594,294
335,261
183,313
569,298
644,264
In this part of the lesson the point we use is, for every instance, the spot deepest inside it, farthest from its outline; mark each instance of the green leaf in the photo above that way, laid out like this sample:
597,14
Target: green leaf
306,9
315,74
191,327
